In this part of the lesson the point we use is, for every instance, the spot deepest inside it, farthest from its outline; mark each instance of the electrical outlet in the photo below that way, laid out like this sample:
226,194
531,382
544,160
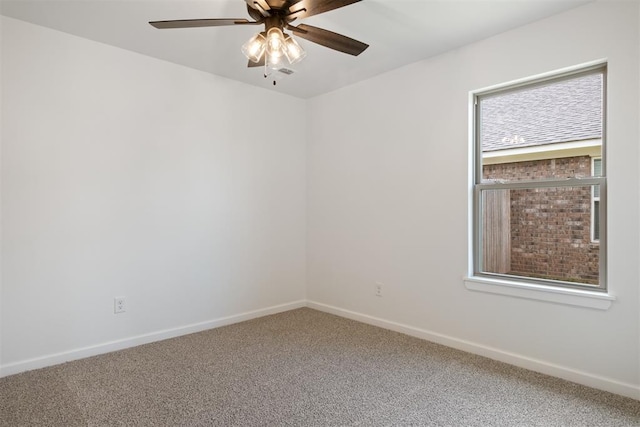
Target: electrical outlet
378,289
119,305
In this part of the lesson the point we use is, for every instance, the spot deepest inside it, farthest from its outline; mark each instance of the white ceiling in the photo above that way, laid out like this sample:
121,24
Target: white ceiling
399,32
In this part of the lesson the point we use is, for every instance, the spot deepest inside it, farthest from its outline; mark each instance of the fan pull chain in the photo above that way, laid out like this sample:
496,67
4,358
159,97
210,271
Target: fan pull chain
274,82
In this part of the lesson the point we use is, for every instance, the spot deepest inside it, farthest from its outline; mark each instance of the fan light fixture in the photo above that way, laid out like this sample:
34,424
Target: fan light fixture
275,45
272,48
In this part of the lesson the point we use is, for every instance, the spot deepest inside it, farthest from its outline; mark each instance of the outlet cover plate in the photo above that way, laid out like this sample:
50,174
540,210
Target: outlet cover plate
119,305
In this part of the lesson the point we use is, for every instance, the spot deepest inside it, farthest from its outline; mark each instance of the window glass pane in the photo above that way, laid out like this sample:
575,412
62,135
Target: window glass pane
597,167
597,171
538,135
539,233
548,131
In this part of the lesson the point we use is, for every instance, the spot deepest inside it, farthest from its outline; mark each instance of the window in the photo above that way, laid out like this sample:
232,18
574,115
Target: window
539,182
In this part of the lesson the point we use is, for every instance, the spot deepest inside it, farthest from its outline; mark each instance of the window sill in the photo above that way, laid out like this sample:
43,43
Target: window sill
575,297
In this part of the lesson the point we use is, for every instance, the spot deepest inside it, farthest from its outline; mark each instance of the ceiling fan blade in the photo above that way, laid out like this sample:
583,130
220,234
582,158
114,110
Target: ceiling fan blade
260,63
259,5
190,23
262,3
306,8
329,39
254,13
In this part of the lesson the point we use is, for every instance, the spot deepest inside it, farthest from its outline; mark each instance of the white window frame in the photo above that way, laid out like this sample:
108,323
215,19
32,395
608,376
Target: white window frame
523,287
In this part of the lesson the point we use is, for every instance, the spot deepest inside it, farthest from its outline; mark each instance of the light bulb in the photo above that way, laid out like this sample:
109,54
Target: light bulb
254,48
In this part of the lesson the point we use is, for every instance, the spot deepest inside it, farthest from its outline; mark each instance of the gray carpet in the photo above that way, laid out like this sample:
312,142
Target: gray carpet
301,368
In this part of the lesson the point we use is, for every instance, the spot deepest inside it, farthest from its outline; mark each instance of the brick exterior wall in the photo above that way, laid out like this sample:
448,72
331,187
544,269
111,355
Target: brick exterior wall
550,231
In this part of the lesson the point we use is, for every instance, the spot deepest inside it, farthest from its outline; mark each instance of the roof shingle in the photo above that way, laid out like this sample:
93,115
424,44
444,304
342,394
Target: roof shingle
563,111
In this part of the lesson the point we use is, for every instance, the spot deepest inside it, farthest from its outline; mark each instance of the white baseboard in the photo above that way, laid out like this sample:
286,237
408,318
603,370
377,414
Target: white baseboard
80,353
584,378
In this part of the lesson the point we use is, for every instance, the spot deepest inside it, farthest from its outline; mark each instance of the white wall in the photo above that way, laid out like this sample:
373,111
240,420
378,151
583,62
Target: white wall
388,188
123,175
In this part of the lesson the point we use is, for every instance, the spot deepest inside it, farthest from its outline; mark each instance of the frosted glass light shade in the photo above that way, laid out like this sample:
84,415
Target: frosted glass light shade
274,62
293,51
275,42
255,47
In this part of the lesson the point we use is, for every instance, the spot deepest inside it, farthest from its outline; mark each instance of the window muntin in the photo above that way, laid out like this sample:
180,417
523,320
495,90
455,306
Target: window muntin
539,196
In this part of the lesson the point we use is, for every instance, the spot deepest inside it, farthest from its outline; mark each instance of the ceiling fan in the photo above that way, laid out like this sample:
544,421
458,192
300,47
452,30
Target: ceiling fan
270,48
